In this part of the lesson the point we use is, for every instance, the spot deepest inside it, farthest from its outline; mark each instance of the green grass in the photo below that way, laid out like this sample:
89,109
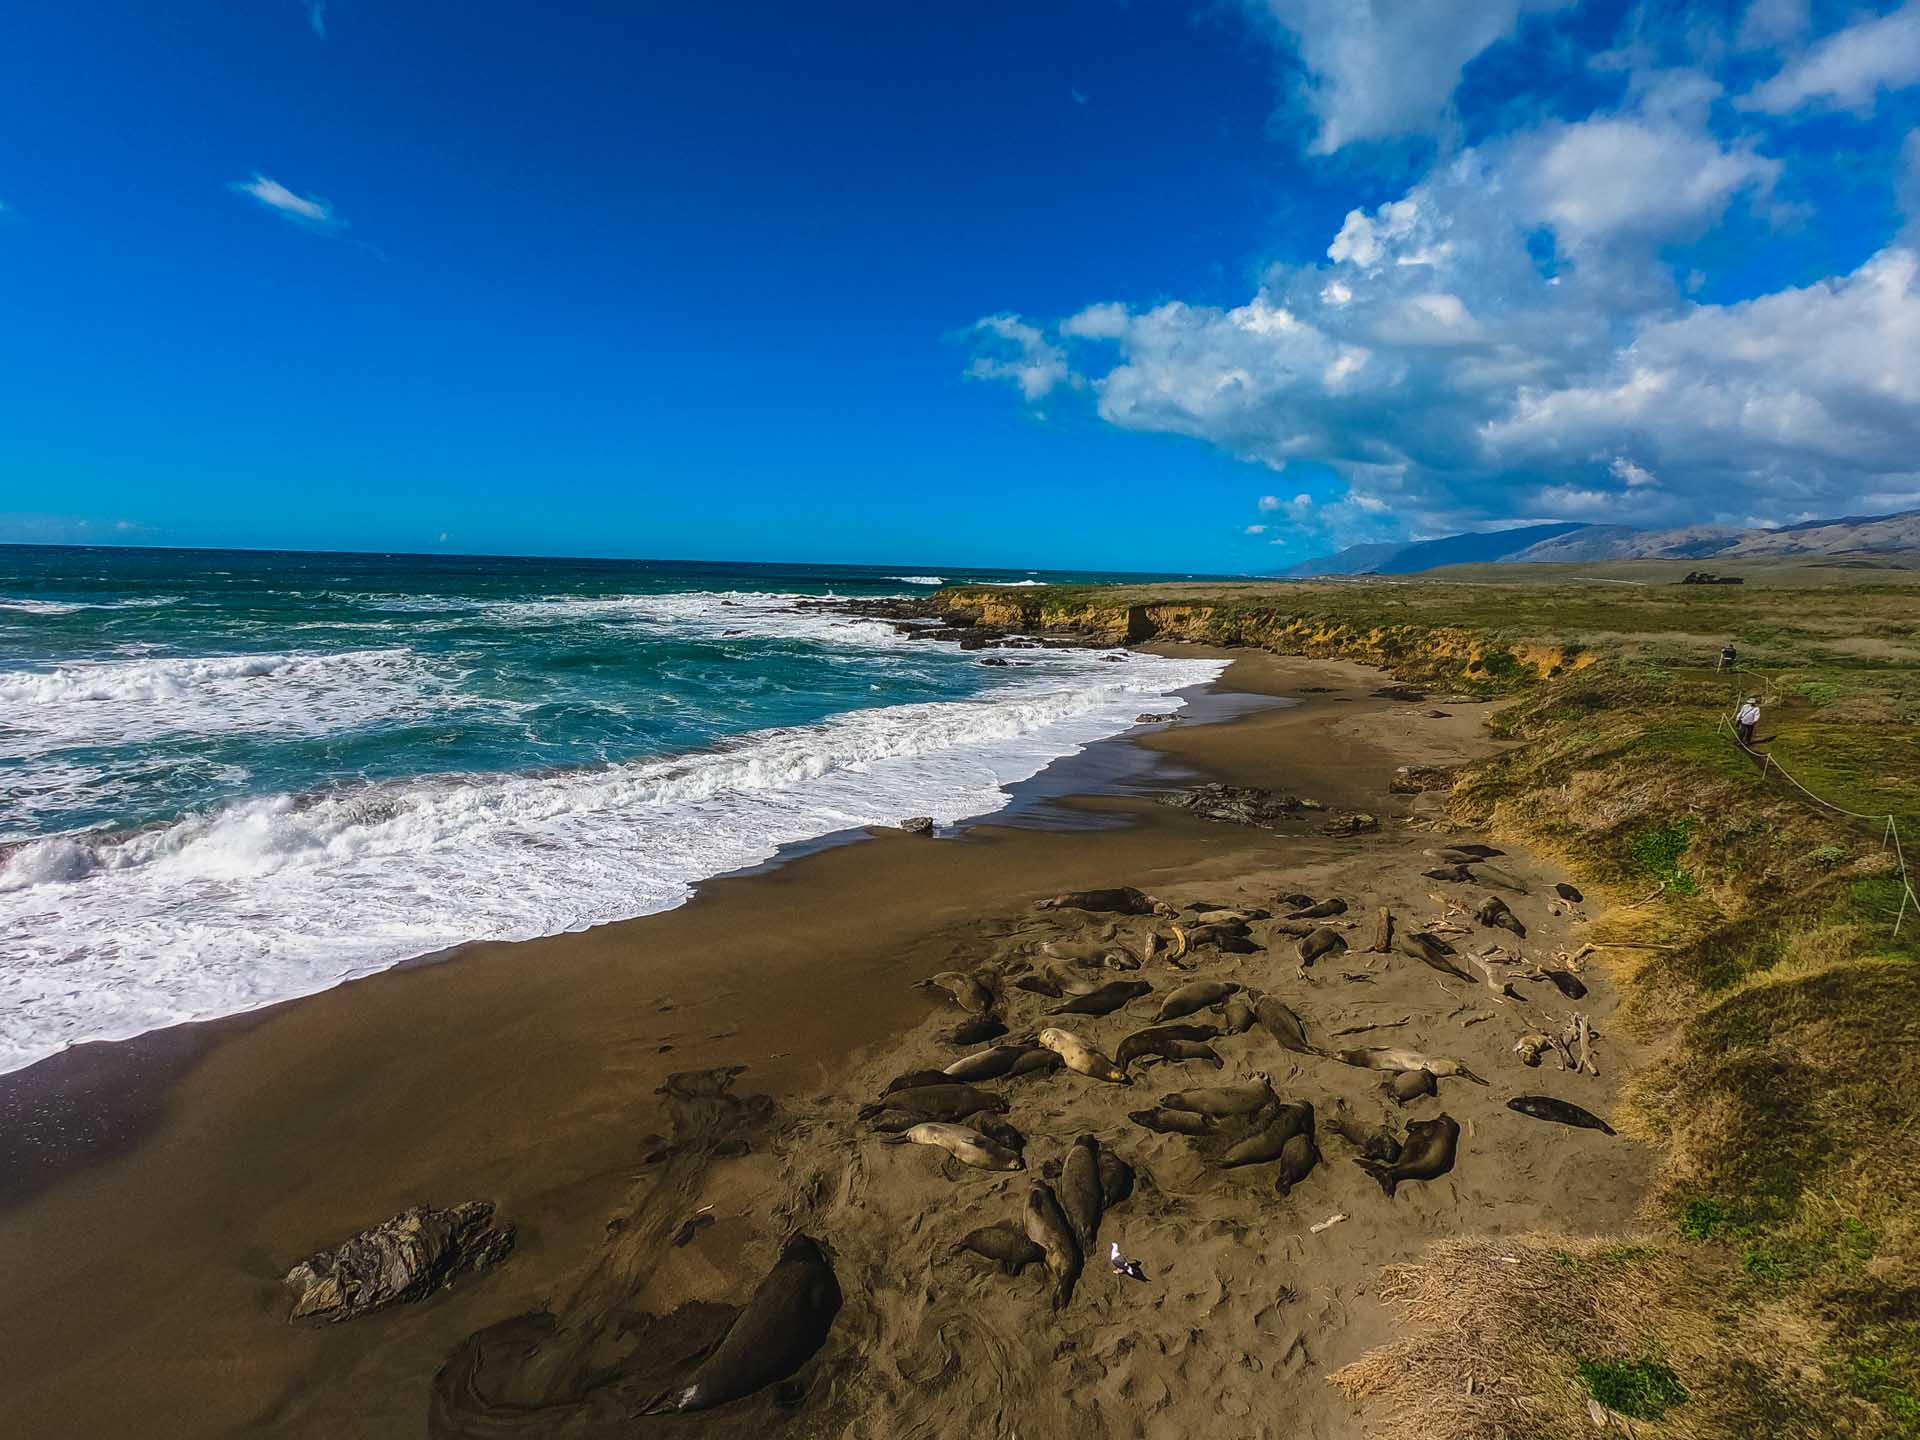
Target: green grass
1656,851
1638,1389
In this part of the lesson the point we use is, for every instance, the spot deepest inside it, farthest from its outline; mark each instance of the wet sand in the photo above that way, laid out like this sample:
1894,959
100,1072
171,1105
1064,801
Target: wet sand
142,1264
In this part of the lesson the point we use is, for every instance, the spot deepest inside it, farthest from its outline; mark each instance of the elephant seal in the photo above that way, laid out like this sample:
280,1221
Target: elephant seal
965,1144
1237,1014
1155,1040
973,1032
1297,1159
1178,1051
1390,1057
1568,893
1496,913
1120,900
1377,1143
1048,1227
962,989
1003,1244
1432,951
1082,1057
1292,900
1561,1112
1405,1085
939,1102
1427,1154
1081,1196
999,1131
1567,983
1454,874
1284,1026
1292,1119
1320,911
1104,1001
1195,995
1172,1122
914,1079
988,1064
785,1321
1039,985
1321,942
1221,1101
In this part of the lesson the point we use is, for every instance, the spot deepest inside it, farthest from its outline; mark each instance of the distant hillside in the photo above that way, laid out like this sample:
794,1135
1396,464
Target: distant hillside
1585,544
1410,557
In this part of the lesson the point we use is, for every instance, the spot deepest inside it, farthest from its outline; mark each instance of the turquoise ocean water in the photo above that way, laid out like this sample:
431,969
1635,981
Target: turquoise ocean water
232,778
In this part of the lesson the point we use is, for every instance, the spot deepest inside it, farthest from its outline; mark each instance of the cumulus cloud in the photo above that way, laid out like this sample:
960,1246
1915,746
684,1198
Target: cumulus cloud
1378,70
1021,353
307,211
1849,69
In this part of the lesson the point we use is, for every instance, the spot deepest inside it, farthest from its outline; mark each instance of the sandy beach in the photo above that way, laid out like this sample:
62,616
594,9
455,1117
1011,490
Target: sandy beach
151,1211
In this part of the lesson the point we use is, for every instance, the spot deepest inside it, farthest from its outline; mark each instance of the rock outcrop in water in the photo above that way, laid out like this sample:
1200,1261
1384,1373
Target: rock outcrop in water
406,1258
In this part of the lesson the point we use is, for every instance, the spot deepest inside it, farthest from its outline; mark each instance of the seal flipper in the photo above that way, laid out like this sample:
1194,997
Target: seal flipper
1381,1172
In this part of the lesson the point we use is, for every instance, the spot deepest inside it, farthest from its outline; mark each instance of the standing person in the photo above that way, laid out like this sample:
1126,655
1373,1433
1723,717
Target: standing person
1746,718
1728,655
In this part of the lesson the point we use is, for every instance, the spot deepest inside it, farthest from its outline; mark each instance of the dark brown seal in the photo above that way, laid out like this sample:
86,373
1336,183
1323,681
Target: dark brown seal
1427,1154
782,1325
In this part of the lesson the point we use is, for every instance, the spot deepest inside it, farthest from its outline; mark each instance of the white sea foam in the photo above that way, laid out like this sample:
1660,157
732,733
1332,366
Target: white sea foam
69,607
117,701
1010,584
276,897
920,579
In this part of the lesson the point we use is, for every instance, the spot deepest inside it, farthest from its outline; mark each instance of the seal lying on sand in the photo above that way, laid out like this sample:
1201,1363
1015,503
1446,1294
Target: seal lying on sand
990,1064
1392,1057
1494,912
1237,1014
1219,1101
1082,1057
1158,1039
1105,1000
1405,1085
783,1324
963,989
1283,1123
1012,1250
1561,1112
1321,942
1320,911
1297,1160
1427,1154
1373,1142
1179,1051
939,1102
1195,995
966,1145
1082,1197
1172,1122
1432,951
1284,1026
973,1032
1048,1227
1121,900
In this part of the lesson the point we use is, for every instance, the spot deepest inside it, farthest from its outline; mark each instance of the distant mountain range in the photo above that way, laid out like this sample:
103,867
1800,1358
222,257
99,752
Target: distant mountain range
1564,544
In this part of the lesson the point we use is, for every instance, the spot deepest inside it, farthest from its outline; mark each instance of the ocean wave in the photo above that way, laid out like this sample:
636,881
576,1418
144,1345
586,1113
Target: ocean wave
1010,584
86,702
920,579
270,898
69,607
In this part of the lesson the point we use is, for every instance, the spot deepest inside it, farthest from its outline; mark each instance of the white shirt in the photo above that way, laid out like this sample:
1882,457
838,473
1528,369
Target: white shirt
1749,715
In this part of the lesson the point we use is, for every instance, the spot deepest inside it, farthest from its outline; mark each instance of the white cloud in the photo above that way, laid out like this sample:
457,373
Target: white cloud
1635,476
1023,354
1769,23
1256,530
1847,70
1378,70
307,211
317,17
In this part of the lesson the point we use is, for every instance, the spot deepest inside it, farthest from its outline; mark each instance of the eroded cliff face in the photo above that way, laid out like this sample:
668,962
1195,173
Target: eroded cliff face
1417,652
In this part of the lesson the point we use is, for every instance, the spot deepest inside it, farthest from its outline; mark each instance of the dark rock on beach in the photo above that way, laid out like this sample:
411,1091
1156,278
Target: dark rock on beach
1236,804
403,1259
918,825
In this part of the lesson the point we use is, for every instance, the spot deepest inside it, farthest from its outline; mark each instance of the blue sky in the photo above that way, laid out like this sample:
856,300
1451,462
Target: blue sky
1143,286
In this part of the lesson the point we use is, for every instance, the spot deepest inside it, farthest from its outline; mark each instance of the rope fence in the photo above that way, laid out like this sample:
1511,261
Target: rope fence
1890,837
